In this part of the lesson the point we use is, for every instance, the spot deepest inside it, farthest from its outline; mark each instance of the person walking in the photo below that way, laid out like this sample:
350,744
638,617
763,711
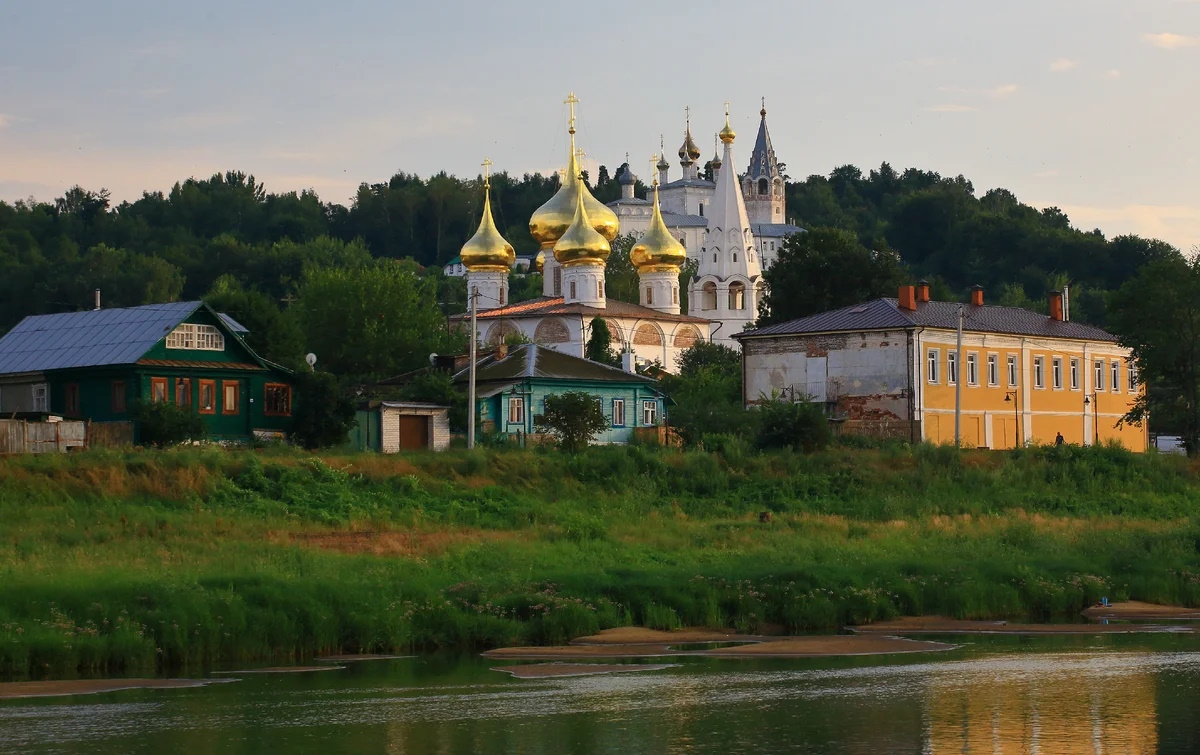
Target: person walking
1058,439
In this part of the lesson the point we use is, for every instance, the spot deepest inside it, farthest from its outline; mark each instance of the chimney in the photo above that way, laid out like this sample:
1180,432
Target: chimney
922,290
96,295
907,298
1056,308
1066,303
628,363
976,295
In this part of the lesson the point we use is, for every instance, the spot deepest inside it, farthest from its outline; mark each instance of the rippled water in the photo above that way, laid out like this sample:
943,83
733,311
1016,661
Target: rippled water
995,695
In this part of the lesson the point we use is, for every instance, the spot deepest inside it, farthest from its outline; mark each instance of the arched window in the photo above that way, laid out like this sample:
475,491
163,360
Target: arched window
735,256
600,289
714,256
701,210
708,298
675,295
762,186
573,297
737,296
649,296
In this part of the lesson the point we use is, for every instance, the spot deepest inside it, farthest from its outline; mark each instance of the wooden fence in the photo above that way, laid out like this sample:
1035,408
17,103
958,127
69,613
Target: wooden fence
18,436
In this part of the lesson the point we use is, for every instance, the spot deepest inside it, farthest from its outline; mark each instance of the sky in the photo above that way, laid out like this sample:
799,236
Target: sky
1092,106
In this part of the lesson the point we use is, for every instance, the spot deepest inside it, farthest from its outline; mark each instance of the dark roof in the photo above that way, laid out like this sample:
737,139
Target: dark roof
762,160
233,324
555,305
884,314
89,339
680,220
532,361
772,230
688,182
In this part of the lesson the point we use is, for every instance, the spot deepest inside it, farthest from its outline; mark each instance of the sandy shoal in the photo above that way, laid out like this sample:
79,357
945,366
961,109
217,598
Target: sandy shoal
942,625
10,690
828,646
1136,609
642,635
282,670
582,651
550,670
353,657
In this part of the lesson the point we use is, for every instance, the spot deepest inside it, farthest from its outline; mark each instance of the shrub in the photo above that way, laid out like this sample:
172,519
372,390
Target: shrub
573,418
163,423
324,415
784,424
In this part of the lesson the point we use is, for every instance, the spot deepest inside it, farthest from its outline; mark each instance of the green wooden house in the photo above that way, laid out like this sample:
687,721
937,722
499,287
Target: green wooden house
98,365
511,386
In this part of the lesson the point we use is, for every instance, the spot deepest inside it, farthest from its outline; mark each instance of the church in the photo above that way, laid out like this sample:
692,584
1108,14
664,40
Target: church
575,230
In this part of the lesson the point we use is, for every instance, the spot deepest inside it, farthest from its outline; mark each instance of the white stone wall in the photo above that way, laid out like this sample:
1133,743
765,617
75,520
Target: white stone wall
389,424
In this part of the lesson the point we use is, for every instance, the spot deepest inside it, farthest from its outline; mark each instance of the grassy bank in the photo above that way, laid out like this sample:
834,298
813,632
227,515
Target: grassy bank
141,560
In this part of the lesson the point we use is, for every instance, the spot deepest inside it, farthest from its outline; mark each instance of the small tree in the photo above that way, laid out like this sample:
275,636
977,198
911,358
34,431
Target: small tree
573,418
801,426
599,345
162,423
323,415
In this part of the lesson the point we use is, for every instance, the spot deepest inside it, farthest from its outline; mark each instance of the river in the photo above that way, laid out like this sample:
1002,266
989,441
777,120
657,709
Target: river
1054,695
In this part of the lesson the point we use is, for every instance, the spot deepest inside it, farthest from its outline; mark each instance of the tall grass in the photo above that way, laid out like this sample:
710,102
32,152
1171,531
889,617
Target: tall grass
125,561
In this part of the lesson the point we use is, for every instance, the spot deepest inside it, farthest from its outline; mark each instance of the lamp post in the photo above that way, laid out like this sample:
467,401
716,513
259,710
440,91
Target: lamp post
1012,396
1093,400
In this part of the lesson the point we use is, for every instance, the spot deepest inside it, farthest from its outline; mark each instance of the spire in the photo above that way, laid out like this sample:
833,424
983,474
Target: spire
487,249
762,159
728,214
688,151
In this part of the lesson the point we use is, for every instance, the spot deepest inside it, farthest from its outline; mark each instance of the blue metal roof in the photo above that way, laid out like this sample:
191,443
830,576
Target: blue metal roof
89,339
233,324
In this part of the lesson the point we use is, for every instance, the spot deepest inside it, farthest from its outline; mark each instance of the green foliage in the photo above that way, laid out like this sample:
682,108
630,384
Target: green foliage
599,345
799,425
706,395
274,334
437,387
573,418
621,280
163,423
323,415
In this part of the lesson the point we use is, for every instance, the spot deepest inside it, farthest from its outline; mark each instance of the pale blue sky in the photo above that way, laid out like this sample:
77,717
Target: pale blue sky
1091,105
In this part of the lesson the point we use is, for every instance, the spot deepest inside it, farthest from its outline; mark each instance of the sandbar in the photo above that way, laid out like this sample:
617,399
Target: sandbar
1135,610
943,625
282,670
11,690
829,646
582,651
355,657
642,635
550,670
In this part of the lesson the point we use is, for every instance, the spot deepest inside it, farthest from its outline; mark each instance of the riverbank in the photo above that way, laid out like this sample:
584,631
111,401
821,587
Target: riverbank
160,560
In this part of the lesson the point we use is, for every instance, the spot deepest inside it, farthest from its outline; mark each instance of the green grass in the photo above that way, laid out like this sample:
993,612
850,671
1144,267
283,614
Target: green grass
153,560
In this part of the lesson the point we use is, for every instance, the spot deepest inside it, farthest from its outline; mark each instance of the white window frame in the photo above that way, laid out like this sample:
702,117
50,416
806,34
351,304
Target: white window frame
1131,375
993,368
649,412
516,410
1012,370
933,364
1056,373
618,412
1039,372
951,367
972,368
1099,367
1116,376
1074,373
196,337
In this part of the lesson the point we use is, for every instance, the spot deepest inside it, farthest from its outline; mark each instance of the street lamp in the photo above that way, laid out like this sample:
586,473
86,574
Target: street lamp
1012,396
1093,400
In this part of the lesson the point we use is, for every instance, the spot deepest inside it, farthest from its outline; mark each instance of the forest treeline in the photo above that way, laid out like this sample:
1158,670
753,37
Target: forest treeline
228,237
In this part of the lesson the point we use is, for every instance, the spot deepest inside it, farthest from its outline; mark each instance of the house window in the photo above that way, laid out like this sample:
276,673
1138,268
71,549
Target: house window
1074,374
1116,376
649,296
675,295
72,399
231,397
972,369
277,400
158,389
618,418
1099,386
993,370
1132,370
1012,370
39,398
558,281
208,397
1056,373
649,413
516,410
573,297
932,362
1039,372
117,395
198,337
600,289
183,392
951,367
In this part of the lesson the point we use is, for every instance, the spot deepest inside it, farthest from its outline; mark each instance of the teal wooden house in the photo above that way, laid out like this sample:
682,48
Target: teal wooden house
98,365
511,387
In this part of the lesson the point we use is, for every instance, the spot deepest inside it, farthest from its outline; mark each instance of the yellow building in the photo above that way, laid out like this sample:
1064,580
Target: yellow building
890,367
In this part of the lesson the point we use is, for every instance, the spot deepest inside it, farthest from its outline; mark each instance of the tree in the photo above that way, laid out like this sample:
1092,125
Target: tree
274,334
824,269
706,394
573,419
1157,315
801,426
620,276
599,346
324,415
164,423
437,387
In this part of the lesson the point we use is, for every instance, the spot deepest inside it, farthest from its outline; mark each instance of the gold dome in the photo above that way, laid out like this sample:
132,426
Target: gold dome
657,250
582,244
539,261
550,221
487,250
727,134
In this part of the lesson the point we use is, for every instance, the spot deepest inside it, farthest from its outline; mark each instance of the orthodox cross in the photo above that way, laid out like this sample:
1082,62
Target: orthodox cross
487,164
571,102
687,114
727,107
653,168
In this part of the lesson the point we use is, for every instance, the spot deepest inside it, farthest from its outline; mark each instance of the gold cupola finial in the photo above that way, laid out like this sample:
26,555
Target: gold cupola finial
657,250
716,161
550,221
727,134
581,244
487,250
688,151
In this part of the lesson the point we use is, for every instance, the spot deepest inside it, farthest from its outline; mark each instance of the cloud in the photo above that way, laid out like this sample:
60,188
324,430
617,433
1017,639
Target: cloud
1168,41
1112,74
950,109
1175,224
1003,91
1063,64
5,120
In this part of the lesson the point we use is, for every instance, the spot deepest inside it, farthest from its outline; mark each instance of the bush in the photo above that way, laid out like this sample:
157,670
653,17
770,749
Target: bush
573,418
323,415
800,426
163,423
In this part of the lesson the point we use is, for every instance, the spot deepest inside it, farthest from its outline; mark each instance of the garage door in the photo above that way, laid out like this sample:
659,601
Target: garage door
414,432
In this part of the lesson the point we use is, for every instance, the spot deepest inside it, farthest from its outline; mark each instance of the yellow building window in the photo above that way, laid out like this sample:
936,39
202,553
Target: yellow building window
1074,374
993,367
972,369
1116,376
1039,372
1056,373
934,359
1012,371
1099,386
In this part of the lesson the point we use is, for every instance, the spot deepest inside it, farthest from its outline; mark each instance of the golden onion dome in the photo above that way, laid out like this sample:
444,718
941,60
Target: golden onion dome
550,221
716,161
581,244
539,261
727,134
689,152
487,249
657,250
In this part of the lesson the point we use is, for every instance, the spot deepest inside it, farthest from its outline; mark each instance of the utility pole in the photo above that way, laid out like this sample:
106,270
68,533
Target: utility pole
471,375
958,381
